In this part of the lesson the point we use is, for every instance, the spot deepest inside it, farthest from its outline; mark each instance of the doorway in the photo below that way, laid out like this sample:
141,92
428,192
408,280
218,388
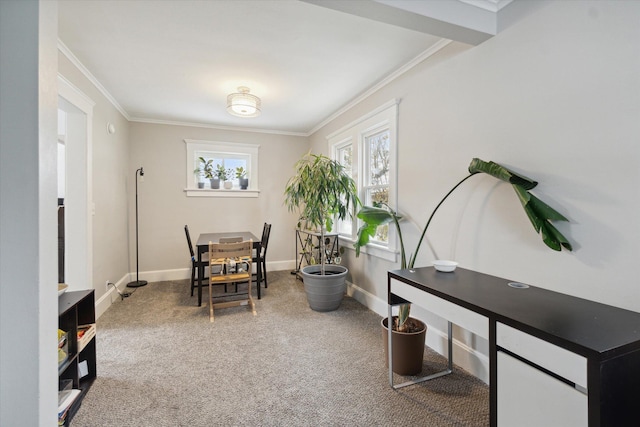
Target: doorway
75,115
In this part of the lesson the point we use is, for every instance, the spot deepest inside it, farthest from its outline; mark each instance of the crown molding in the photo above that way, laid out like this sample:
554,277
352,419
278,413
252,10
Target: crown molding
212,126
385,81
85,71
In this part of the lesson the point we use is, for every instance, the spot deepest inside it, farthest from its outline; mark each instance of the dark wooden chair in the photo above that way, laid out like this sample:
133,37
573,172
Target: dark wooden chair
194,260
261,258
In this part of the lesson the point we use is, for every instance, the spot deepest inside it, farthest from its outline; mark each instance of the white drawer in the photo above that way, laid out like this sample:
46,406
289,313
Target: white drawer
462,317
528,397
564,363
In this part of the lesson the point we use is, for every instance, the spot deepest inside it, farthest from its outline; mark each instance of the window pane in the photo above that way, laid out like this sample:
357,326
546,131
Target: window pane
345,158
227,161
373,197
378,149
344,155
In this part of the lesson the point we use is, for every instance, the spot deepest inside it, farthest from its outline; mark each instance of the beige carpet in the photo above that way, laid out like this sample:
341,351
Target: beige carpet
161,363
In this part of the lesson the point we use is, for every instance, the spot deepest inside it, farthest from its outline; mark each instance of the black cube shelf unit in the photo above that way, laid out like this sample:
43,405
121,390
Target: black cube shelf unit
77,309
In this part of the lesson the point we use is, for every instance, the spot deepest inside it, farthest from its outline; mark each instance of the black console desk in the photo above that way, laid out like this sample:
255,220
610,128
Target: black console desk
554,359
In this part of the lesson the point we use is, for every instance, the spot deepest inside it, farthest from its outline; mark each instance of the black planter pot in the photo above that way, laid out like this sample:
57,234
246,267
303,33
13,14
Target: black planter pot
244,183
408,348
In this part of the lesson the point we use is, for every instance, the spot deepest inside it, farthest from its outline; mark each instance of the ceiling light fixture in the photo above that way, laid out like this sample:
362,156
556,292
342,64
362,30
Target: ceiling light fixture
243,104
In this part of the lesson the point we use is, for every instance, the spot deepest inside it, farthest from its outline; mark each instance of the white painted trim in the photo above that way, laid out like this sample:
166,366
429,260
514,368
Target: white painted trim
210,192
363,118
76,97
105,301
391,77
219,127
85,71
252,151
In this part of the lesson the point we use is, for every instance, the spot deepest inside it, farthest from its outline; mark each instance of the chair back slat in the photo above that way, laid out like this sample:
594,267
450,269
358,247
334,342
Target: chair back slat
230,250
186,232
230,239
266,232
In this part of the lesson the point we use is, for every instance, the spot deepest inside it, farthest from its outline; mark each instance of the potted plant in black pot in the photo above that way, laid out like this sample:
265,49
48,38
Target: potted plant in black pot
321,190
405,329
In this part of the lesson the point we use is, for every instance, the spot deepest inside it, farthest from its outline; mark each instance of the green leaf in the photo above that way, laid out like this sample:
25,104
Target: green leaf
540,214
502,173
375,216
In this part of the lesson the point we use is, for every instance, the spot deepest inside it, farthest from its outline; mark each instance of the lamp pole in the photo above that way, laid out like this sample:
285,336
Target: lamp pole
137,283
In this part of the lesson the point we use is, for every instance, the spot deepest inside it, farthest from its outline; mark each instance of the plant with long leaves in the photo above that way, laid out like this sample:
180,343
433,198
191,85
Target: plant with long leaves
321,190
539,213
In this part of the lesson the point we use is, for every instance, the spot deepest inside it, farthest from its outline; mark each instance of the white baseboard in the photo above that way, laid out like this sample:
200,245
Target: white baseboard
469,359
105,301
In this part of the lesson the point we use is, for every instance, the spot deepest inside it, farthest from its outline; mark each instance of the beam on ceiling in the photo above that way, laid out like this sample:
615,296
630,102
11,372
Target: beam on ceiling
429,17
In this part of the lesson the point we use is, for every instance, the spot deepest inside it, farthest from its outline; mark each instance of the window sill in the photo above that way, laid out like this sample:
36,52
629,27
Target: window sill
371,249
209,192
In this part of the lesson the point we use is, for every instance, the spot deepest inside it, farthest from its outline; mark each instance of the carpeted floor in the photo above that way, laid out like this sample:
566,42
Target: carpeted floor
161,363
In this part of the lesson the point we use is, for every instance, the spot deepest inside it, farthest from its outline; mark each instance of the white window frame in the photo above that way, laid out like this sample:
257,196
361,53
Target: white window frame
383,117
194,146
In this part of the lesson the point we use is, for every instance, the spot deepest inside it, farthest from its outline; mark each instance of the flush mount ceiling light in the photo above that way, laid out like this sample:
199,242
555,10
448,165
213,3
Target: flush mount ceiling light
243,104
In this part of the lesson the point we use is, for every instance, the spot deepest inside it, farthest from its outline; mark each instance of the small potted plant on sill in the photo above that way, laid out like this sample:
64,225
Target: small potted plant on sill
406,329
243,181
321,190
222,175
203,171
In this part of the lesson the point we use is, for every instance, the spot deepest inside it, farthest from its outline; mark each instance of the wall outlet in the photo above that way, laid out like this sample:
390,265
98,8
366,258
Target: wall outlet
106,286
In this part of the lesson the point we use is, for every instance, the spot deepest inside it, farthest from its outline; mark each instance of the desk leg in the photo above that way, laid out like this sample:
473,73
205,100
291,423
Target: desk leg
421,379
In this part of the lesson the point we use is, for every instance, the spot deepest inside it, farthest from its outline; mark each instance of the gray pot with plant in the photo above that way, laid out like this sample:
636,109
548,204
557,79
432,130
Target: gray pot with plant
243,181
539,213
220,174
204,170
321,191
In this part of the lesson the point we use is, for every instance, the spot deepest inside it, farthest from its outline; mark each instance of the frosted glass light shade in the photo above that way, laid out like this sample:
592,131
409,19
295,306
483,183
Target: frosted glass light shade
243,104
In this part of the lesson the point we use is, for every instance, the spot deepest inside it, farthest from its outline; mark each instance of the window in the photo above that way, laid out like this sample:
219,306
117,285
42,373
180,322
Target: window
225,155
367,148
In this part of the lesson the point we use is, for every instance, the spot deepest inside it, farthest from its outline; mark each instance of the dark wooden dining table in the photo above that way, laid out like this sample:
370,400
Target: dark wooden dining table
203,247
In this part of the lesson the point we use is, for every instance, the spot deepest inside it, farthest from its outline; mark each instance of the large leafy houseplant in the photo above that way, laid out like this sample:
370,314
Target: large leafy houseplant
539,213
321,190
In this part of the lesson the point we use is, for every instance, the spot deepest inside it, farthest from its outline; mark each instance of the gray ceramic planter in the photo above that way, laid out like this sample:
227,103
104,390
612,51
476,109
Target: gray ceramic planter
324,292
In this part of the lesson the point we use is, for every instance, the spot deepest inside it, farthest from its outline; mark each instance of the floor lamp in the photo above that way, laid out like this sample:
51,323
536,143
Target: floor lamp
137,283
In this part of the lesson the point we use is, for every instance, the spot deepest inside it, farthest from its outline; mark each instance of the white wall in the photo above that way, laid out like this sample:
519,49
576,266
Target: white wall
555,97
28,203
164,208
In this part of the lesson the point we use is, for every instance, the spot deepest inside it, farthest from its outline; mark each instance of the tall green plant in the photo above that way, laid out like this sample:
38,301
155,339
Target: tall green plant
321,190
539,213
